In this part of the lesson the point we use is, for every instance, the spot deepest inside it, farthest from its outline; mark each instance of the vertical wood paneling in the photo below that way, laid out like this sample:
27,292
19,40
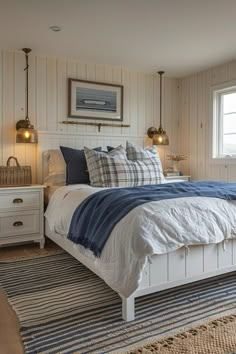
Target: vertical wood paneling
48,101
134,102
72,74
108,79
175,96
41,93
231,173
52,94
193,125
32,89
31,150
126,101
117,76
81,71
8,139
208,166
151,99
91,76
232,70
141,104
1,106
195,108
201,128
62,87
19,63
184,124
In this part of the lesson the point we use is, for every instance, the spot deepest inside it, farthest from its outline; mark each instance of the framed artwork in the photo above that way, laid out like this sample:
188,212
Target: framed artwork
95,100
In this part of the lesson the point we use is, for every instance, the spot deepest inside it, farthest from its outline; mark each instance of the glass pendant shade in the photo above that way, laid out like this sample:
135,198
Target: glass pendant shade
26,132
160,137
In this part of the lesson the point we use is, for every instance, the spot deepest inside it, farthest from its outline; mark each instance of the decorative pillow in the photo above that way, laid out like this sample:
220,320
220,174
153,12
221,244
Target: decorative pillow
106,170
76,166
110,148
137,153
56,168
93,162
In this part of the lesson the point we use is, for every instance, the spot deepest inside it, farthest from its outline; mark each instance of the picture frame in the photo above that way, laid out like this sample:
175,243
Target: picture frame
95,100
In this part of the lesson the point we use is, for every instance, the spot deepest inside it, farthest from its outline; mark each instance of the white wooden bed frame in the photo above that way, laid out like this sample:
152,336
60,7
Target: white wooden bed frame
162,272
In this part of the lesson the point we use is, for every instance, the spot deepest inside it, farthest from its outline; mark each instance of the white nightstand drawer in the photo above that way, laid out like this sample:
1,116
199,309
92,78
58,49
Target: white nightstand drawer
19,223
19,200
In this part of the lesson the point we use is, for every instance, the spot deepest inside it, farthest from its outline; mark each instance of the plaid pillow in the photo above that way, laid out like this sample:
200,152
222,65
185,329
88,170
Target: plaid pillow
137,153
115,171
94,165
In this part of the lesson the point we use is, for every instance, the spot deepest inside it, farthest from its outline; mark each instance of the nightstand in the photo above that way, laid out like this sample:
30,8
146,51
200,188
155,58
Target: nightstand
178,178
21,214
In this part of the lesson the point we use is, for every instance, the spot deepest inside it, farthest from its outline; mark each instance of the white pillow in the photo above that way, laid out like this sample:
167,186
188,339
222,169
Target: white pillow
56,169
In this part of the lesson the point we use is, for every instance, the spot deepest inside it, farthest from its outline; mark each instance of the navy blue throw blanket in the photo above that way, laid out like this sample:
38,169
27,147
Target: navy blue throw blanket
97,215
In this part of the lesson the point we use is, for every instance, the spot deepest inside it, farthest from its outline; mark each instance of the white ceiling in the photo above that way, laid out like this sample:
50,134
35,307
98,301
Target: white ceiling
177,36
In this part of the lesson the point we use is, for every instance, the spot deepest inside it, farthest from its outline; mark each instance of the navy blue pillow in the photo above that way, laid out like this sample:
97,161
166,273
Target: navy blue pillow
110,148
76,165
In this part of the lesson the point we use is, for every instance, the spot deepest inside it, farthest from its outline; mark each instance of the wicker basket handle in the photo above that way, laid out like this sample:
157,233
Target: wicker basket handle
14,158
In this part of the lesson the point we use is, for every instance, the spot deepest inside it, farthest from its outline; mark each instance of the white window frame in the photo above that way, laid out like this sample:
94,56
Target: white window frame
216,140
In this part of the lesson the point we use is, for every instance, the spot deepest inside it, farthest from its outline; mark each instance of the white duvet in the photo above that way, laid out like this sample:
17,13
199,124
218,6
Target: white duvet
152,228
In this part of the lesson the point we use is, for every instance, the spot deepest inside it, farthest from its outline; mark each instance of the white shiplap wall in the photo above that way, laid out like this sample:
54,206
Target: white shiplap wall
48,101
195,122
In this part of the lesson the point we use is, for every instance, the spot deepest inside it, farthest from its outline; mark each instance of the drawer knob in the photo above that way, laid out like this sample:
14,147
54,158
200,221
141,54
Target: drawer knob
18,200
18,223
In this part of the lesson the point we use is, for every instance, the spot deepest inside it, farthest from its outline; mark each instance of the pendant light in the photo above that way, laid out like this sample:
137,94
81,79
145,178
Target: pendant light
159,136
25,130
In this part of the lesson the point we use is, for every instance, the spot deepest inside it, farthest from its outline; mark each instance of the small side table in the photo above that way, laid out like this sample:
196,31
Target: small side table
178,178
21,214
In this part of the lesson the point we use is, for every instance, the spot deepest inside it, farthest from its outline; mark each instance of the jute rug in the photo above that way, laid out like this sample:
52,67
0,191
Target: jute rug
30,250
64,308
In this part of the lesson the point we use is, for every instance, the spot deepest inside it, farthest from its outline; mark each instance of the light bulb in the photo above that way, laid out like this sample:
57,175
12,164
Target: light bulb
27,134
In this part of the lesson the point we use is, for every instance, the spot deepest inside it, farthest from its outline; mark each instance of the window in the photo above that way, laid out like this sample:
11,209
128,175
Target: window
224,121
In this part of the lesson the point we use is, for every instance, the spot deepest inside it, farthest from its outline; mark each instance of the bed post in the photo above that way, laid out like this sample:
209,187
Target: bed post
128,308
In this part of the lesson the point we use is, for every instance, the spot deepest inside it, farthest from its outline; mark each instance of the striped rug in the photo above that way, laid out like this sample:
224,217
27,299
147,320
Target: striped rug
65,308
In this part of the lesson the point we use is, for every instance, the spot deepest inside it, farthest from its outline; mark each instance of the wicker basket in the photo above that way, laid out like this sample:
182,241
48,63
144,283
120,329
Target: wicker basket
15,175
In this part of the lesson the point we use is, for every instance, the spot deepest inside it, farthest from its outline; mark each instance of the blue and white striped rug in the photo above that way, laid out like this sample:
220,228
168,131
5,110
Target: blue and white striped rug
65,308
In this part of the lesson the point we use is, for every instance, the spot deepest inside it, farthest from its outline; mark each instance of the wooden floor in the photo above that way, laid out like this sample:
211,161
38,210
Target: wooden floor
10,341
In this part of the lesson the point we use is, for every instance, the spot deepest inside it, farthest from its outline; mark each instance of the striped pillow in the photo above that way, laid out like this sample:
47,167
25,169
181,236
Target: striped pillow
106,170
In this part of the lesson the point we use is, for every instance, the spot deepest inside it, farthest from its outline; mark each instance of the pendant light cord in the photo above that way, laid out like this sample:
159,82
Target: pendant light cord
27,51
160,73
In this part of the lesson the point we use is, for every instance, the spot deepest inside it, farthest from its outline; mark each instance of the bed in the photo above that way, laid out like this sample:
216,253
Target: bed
157,272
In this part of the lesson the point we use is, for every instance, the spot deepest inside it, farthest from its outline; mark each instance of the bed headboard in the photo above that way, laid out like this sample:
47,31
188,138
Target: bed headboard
52,140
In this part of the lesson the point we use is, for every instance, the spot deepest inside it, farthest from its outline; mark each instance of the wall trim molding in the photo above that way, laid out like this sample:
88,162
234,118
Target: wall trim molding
85,134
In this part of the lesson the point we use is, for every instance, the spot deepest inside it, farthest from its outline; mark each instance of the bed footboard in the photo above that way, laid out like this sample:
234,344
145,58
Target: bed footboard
166,271
180,267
